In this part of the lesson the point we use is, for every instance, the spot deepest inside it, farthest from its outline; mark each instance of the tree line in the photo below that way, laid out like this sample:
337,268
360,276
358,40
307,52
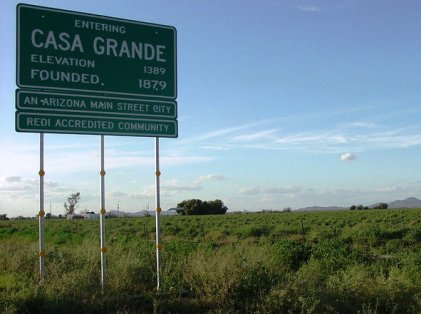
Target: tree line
375,206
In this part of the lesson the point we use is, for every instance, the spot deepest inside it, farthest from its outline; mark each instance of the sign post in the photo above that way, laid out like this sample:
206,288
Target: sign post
157,214
41,213
102,217
82,73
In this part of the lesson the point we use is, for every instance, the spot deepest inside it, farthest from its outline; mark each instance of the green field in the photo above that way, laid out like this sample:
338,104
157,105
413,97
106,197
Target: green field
298,262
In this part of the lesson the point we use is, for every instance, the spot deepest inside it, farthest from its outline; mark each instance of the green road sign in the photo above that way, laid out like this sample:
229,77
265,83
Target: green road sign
27,121
89,104
74,51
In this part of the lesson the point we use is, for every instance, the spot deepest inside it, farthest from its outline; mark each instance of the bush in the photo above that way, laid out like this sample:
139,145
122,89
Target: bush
258,231
333,254
292,254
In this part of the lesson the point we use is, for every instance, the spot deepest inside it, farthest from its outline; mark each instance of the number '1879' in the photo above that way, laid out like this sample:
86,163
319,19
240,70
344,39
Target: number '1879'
152,84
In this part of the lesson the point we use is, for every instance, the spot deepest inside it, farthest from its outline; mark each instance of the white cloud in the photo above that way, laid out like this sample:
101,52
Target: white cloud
282,190
12,179
17,188
309,8
359,124
356,136
313,139
223,132
210,177
220,132
170,188
272,192
117,194
214,147
177,160
348,157
254,136
254,190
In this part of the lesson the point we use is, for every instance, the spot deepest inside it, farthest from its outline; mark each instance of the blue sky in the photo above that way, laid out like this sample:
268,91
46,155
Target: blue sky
284,103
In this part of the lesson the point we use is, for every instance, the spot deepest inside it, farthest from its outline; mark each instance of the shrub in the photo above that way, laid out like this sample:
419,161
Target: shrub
292,254
258,231
333,254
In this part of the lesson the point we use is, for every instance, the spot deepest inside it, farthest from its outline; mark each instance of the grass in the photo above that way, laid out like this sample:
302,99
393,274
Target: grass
305,262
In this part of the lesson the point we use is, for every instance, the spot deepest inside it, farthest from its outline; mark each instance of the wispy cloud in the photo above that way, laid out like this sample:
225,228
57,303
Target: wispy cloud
329,135
254,136
221,132
254,190
271,192
313,139
231,130
309,8
213,147
177,160
210,177
359,124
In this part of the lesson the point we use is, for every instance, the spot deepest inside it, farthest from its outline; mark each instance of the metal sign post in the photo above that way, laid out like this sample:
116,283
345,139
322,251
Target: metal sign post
41,213
102,217
81,73
158,211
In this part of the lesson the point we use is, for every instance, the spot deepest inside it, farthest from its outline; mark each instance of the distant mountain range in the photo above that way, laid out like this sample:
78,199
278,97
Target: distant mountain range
410,202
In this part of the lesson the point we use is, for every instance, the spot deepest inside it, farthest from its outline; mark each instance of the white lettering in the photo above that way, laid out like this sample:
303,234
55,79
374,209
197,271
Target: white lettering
59,76
84,124
103,105
161,108
145,127
159,53
133,50
75,62
63,103
30,100
37,122
33,39
132,107
100,26
62,41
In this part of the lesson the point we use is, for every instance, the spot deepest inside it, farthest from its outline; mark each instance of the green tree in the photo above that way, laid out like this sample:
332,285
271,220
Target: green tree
216,207
199,207
71,203
189,207
381,206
